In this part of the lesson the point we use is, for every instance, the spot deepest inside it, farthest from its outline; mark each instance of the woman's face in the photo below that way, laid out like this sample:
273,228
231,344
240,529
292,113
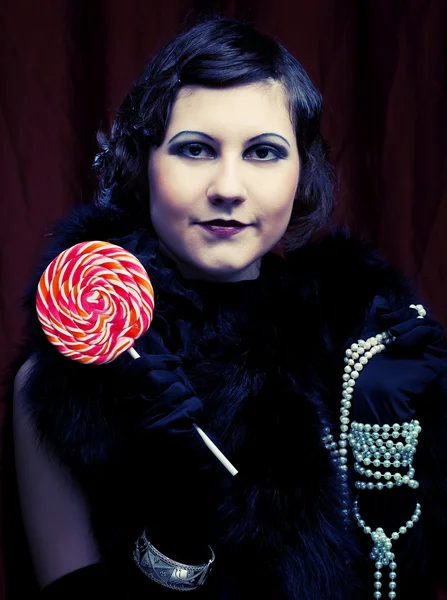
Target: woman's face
223,182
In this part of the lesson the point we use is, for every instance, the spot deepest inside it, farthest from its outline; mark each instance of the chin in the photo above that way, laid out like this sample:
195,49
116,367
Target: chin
231,272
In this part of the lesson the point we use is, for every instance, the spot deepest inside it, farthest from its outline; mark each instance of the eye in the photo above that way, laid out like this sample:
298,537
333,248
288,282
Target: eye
195,150
264,153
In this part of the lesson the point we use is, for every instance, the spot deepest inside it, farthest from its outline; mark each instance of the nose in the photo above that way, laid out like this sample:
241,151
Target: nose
226,185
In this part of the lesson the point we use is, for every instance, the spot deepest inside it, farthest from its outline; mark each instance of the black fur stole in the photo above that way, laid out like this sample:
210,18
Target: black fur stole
266,356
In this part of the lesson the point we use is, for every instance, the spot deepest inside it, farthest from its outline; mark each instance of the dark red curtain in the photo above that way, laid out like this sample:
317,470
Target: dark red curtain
380,64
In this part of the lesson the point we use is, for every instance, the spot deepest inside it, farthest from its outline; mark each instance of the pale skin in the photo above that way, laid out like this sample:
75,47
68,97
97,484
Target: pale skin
55,514
243,165
227,154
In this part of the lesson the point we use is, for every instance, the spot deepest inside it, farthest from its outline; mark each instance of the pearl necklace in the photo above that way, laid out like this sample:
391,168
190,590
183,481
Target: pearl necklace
377,443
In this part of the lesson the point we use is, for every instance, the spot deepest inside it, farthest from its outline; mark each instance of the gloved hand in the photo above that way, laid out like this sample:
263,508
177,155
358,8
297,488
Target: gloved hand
390,385
171,406
185,481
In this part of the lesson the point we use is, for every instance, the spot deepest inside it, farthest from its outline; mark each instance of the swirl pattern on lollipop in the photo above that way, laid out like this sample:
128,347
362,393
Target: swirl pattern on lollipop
93,300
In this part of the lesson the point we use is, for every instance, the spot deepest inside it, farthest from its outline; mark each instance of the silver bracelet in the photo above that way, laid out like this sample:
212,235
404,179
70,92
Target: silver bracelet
167,572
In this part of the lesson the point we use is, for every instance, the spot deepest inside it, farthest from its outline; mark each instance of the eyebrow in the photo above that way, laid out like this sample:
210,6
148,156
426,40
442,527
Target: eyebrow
205,135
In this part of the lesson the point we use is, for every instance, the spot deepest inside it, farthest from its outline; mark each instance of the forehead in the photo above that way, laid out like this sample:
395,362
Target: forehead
250,108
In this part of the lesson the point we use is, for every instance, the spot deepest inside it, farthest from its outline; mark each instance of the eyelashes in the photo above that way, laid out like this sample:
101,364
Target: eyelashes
256,153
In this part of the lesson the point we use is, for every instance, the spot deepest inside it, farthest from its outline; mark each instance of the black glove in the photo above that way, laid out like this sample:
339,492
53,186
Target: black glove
389,387
185,481
93,581
392,388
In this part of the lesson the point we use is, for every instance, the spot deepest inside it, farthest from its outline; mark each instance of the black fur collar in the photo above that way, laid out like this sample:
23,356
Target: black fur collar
266,357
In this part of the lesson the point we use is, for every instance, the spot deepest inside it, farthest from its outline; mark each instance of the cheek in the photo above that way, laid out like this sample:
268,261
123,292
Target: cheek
290,180
280,196
168,194
166,212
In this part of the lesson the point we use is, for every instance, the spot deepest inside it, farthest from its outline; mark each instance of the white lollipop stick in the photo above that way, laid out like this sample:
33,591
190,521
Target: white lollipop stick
215,450
133,353
211,445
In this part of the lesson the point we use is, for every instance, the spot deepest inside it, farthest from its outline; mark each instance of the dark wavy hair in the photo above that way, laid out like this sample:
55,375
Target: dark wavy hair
217,52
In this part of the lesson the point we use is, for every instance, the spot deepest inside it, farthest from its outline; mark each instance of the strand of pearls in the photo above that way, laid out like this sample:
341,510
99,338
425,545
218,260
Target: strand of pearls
373,442
382,552
374,446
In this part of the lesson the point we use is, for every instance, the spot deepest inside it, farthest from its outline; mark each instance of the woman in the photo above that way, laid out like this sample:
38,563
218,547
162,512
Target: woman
310,364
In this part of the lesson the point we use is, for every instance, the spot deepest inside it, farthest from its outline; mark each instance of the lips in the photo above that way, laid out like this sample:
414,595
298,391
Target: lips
223,228
223,223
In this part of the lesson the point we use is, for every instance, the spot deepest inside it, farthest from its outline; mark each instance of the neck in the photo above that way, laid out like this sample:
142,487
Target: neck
192,272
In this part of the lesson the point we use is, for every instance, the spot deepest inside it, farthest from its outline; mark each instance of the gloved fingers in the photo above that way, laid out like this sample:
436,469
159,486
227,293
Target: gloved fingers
174,430
151,375
181,418
400,322
378,307
372,325
158,382
148,362
396,317
176,400
417,332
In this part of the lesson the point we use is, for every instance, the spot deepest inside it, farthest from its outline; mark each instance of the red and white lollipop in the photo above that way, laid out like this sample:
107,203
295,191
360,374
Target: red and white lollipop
93,301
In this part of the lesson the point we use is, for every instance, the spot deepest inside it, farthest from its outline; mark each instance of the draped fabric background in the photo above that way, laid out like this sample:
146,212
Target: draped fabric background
381,65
